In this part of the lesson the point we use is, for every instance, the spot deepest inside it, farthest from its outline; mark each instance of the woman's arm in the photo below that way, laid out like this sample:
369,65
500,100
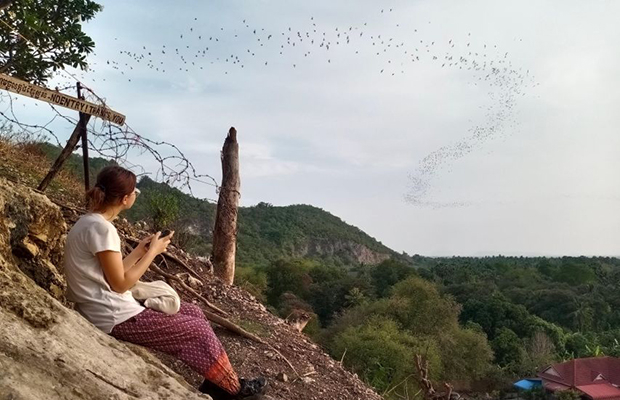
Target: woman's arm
132,258
112,264
136,254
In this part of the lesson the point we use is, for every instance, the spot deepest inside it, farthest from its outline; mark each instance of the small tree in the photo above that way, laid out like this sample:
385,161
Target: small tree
163,210
355,297
541,351
508,349
387,274
252,280
54,27
381,354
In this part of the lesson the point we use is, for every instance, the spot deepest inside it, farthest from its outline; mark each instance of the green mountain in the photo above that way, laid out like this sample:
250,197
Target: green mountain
265,232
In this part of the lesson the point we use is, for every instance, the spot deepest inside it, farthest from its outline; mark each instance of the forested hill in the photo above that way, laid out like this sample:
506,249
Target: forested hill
266,232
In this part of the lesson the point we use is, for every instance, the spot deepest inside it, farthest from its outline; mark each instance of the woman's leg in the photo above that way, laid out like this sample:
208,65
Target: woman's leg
191,309
185,336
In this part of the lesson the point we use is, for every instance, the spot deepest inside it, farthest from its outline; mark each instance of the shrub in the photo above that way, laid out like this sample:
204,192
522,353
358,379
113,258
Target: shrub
253,281
383,355
163,209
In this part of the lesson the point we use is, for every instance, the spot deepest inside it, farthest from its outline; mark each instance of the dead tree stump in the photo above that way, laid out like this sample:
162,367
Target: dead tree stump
225,230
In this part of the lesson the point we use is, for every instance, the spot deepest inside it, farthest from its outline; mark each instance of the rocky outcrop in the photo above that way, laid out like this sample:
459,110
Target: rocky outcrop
32,231
48,351
348,250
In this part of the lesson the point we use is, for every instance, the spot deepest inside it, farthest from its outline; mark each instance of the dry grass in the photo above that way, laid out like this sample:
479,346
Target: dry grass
25,163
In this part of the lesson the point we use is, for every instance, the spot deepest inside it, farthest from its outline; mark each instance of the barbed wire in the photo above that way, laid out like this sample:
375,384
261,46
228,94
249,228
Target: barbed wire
113,141
34,130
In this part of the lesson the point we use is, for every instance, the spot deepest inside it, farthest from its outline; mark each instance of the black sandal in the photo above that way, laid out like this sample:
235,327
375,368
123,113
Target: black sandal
252,387
216,392
249,387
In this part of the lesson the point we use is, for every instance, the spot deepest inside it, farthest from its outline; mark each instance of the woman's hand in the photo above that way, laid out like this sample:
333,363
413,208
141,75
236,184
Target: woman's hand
143,244
158,245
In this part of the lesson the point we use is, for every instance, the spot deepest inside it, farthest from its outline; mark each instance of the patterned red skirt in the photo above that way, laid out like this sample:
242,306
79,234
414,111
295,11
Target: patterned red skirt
187,336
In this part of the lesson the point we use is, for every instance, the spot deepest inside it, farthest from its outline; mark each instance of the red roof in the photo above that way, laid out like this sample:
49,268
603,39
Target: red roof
600,391
554,386
595,377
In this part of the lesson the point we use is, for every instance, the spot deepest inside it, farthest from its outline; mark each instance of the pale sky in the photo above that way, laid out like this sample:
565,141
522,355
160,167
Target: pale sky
427,159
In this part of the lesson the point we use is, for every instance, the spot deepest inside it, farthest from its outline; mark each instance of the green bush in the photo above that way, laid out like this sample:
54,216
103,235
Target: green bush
537,393
163,209
420,308
416,311
288,276
388,273
465,355
383,355
252,280
509,350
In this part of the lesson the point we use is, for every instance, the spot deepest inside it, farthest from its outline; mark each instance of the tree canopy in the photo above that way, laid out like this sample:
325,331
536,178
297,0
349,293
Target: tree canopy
54,28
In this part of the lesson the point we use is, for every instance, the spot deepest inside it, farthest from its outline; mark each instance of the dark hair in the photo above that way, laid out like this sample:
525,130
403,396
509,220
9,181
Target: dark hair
113,183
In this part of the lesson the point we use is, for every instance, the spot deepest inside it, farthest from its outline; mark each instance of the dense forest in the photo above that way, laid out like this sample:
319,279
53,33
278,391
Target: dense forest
480,322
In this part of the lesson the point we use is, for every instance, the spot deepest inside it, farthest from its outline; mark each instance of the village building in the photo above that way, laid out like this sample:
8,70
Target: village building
596,378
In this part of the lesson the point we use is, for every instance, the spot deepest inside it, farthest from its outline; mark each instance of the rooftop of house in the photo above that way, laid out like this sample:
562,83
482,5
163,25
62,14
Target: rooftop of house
598,377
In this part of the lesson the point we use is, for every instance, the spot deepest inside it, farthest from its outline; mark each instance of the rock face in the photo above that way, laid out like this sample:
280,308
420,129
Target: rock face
32,230
48,351
352,251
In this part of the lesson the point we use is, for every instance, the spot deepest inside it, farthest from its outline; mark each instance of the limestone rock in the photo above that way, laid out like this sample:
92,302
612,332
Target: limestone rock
32,234
48,351
282,377
354,251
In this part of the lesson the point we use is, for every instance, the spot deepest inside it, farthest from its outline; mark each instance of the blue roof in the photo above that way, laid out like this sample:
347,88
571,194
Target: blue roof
528,384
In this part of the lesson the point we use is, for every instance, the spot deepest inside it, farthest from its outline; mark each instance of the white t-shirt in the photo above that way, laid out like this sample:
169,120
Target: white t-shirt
86,284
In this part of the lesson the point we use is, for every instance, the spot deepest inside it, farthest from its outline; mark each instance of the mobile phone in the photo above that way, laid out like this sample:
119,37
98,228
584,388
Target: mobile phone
164,233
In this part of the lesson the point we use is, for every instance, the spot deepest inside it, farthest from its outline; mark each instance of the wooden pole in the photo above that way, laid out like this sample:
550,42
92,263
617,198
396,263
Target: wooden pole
84,133
225,230
62,157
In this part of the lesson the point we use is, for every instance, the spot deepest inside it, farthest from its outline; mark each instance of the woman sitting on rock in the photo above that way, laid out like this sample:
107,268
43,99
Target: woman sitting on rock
99,279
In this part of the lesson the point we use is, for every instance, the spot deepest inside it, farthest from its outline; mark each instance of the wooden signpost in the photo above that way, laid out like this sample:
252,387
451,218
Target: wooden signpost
86,110
51,96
